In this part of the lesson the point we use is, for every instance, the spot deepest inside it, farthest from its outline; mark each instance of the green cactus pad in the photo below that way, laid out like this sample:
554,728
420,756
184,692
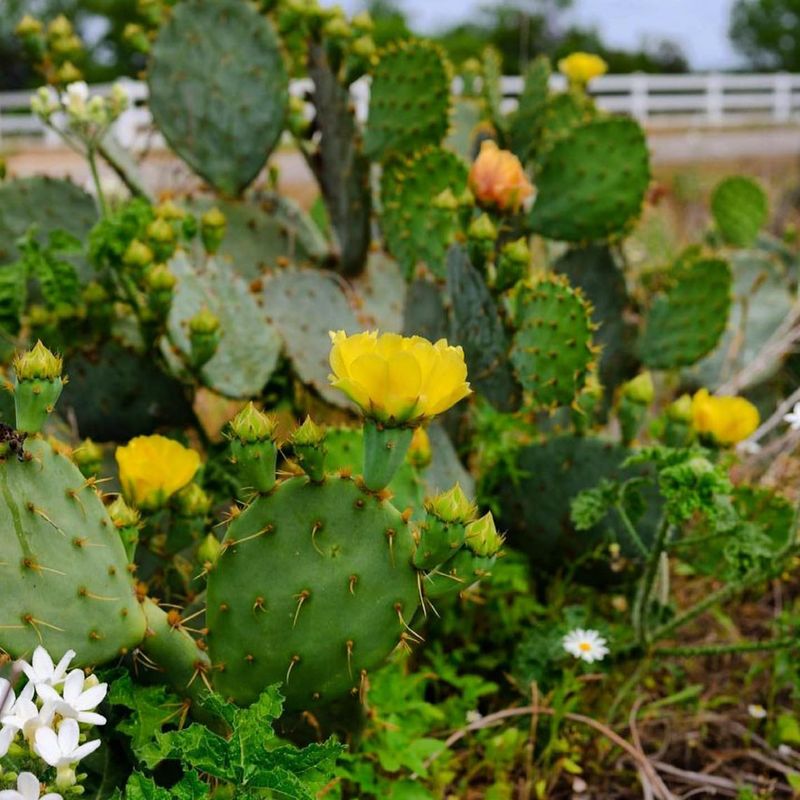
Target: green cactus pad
595,272
116,394
309,592
249,347
50,204
740,208
382,293
592,182
552,348
686,322
415,229
304,305
425,314
527,121
63,567
491,90
478,328
560,115
536,504
409,100
219,90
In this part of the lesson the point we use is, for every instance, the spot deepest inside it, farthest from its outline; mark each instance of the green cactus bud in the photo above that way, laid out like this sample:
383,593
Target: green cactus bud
466,199
192,501
251,425
161,237
363,22
137,254
681,409
419,451
37,363
212,229
209,550
136,36
513,264
28,26
482,537
640,389
89,458
482,229
94,293
127,521
37,388
160,279
309,446
458,574
364,47
59,27
169,211
204,336
337,28
68,73
452,506
384,451
445,200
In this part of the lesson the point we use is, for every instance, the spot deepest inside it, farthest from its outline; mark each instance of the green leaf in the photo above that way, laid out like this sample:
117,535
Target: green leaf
190,787
140,787
195,746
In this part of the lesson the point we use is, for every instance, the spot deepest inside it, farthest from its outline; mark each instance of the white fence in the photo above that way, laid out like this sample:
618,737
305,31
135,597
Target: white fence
713,99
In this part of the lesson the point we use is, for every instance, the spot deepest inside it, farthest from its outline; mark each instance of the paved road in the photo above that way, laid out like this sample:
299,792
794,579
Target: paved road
164,173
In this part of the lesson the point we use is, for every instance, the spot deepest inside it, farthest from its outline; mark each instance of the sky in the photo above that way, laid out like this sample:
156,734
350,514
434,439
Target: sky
700,26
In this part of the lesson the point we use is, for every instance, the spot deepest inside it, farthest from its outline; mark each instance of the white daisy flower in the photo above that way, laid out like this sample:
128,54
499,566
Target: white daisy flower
28,788
8,702
588,645
756,711
61,750
792,419
41,670
80,698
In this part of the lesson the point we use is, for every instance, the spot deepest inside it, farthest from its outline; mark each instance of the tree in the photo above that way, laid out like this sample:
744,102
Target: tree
767,33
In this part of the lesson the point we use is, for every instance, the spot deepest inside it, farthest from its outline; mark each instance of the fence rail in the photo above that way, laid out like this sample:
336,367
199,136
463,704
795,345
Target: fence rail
713,99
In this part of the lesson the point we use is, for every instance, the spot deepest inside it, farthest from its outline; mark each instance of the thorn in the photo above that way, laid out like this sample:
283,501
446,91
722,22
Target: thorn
363,688
349,646
259,604
390,534
193,616
421,593
294,660
302,597
84,592
353,582
44,516
399,609
268,528
316,529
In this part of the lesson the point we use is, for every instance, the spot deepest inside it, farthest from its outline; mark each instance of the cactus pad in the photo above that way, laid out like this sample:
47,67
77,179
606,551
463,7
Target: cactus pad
304,305
415,229
346,587
687,322
560,115
526,122
591,183
48,203
409,100
552,349
740,209
478,328
249,347
219,90
63,564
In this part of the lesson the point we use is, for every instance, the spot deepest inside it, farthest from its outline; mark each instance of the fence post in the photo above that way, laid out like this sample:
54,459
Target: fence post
782,97
638,96
715,101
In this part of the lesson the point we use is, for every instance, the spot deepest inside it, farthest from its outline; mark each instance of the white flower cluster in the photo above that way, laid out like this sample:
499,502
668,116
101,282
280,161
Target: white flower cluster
47,715
83,109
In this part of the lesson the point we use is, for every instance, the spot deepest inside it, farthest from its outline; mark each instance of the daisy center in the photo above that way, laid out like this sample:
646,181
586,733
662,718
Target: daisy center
585,647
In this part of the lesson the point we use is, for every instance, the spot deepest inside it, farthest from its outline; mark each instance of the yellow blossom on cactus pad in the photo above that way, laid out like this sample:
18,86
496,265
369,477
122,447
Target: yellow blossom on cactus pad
497,178
582,67
726,419
398,379
153,468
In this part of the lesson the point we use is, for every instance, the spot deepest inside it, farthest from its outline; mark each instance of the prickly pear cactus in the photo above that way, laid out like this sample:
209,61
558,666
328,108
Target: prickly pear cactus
687,321
409,100
478,328
552,349
417,224
249,347
740,209
219,90
304,305
592,182
64,569
526,122
562,113
49,204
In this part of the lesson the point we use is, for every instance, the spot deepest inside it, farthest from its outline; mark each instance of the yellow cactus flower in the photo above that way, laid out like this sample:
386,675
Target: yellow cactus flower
580,68
727,419
497,178
397,379
153,468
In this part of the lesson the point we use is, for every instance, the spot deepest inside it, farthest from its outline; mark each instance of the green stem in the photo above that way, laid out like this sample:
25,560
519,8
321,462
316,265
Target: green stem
631,530
725,649
101,199
693,540
641,603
